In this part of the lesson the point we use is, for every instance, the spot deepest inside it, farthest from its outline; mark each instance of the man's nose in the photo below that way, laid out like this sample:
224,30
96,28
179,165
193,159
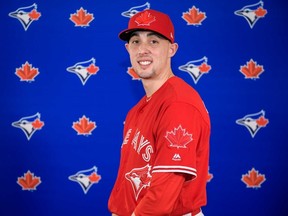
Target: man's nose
143,48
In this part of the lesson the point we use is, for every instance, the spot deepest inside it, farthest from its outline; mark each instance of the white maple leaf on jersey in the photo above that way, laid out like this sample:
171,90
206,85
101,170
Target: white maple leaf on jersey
178,138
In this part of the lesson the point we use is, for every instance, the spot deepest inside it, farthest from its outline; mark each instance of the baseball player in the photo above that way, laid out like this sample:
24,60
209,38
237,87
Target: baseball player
165,151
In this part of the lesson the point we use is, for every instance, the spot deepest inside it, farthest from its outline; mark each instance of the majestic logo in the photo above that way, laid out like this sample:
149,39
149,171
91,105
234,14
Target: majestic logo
27,72
251,70
134,10
29,125
84,70
194,16
179,138
26,15
252,13
176,157
196,68
81,18
253,179
145,19
84,126
86,178
254,122
29,181
139,178
133,74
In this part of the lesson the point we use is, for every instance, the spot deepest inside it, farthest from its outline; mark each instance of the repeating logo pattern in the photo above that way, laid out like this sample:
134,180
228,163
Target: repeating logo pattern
196,68
81,18
29,124
84,70
29,182
253,122
252,70
27,72
86,178
26,15
84,126
194,16
253,179
134,10
252,13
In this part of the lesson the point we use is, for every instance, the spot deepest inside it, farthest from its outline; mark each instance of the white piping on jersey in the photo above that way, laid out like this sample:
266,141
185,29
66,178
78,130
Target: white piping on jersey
182,169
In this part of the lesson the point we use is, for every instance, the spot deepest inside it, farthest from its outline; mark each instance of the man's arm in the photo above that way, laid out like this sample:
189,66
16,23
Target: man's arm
162,194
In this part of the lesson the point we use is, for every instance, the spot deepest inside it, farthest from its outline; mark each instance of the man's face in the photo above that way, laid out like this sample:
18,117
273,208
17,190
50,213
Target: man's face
150,54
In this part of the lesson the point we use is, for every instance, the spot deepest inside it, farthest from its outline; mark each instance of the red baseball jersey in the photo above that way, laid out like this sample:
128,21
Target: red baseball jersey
168,133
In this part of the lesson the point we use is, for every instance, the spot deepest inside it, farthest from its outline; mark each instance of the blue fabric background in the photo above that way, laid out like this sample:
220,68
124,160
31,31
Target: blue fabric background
53,43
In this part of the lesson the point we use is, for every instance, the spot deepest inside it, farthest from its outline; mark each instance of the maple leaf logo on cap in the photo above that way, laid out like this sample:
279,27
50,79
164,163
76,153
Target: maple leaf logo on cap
145,19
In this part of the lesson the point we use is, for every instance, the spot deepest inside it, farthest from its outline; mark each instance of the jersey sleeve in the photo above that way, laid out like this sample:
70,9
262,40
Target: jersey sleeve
177,135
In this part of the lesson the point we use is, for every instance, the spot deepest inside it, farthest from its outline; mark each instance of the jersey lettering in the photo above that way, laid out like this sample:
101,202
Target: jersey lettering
139,143
125,141
147,155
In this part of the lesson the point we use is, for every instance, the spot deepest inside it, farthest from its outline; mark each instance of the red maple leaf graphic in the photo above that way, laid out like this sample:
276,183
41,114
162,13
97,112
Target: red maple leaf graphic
253,179
133,74
34,15
262,121
179,138
38,124
209,177
92,69
260,12
251,70
84,126
28,181
204,67
145,19
94,177
81,18
194,16
27,72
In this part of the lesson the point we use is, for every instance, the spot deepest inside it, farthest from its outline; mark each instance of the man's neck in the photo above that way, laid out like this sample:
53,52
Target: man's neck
152,85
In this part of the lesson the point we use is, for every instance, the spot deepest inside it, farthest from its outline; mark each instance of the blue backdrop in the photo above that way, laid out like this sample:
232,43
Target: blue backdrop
66,86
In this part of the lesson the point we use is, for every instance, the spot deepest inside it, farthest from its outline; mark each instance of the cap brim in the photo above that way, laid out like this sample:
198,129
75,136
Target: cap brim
126,34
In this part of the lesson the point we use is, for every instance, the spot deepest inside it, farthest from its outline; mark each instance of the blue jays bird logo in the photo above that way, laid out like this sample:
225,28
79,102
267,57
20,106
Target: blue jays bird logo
84,70
29,124
26,15
134,10
253,122
86,178
252,13
139,178
196,68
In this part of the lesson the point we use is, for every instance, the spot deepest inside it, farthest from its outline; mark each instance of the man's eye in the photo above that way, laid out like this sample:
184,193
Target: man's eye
134,41
154,41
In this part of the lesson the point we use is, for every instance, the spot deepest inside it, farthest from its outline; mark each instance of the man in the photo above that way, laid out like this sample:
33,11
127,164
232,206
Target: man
165,151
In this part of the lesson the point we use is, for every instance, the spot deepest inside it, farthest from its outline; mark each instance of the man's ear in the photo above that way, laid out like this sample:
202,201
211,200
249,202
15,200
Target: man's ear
127,47
173,49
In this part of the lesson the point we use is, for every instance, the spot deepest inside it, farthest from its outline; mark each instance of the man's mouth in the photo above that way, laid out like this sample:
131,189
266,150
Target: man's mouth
145,63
